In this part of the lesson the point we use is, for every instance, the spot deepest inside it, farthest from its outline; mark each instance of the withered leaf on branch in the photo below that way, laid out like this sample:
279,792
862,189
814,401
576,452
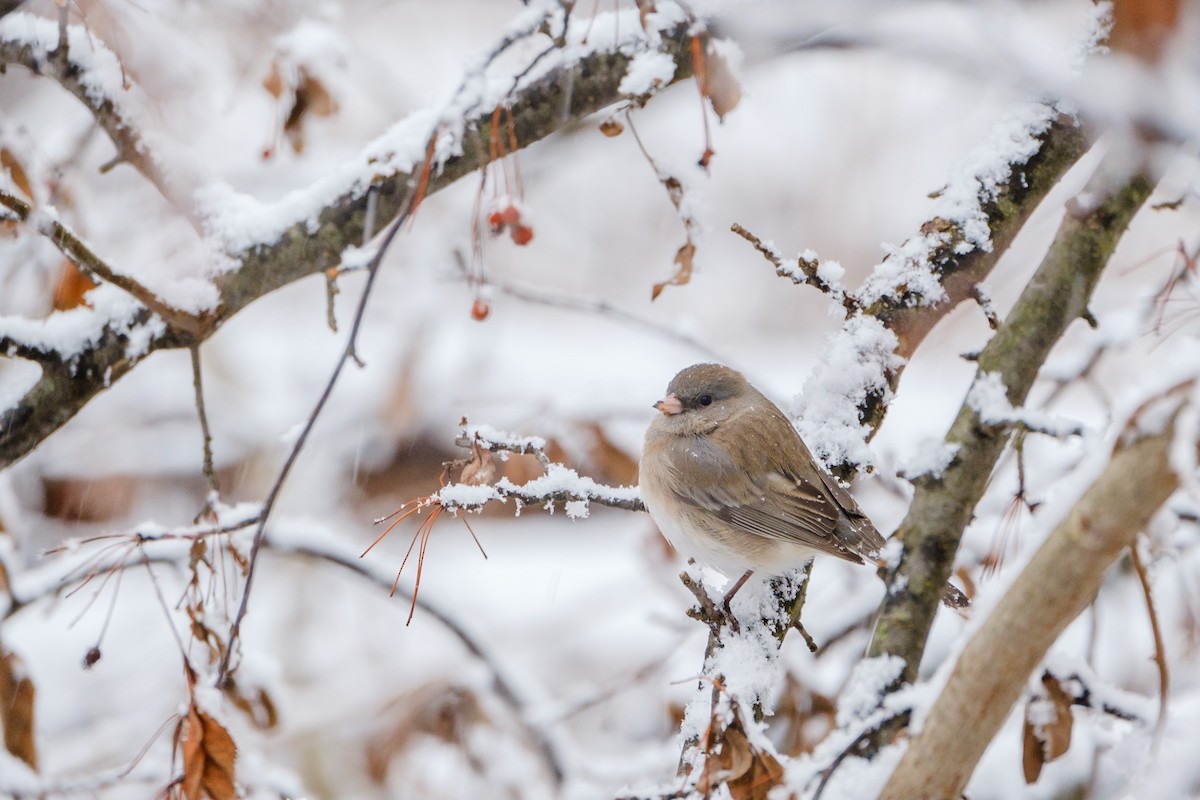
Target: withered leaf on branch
722,88
481,469
749,773
1046,740
683,259
17,695
311,98
209,754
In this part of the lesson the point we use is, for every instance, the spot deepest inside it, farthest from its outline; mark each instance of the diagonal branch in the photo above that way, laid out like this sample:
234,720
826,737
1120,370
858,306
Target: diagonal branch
1058,583
943,504
314,243
34,43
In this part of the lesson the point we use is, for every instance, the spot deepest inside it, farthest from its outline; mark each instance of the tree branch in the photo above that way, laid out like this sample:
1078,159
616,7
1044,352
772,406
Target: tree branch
943,505
310,246
36,45
1061,580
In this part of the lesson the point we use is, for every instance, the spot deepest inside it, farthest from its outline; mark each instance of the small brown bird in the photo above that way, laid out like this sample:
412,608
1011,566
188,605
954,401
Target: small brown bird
729,481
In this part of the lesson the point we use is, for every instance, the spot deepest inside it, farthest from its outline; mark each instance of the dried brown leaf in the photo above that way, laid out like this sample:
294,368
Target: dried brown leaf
1045,741
311,98
481,469
683,260
273,83
1143,28
9,162
255,704
209,756
645,9
723,89
73,286
17,698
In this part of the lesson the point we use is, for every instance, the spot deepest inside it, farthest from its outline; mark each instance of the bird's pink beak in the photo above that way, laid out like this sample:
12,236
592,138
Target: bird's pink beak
669,405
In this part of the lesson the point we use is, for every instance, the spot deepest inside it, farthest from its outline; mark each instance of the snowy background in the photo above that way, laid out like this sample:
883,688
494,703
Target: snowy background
833,149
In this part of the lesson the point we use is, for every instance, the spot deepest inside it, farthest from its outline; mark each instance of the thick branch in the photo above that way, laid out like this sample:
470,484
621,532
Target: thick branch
1061,580
1063,144
539,109
942,506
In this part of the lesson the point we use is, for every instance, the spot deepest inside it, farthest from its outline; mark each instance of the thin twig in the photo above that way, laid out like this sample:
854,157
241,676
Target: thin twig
604,308
197,385
502,686
273,495
804,271
1160,652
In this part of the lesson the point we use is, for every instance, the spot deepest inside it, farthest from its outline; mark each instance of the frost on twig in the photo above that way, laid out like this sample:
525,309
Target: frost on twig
805,268
558,485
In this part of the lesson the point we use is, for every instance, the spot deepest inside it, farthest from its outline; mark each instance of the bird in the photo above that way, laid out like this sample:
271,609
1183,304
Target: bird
729,482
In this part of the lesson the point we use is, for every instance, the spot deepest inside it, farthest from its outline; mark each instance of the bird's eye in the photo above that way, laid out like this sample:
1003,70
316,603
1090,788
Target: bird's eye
704,399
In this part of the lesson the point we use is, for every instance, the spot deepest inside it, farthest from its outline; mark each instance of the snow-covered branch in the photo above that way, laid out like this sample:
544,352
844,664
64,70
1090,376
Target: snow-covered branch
305,235
1061,580
979,213
91,72
943,504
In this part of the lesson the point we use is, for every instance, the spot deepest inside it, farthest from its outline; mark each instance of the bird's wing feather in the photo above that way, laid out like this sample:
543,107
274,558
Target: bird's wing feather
760,498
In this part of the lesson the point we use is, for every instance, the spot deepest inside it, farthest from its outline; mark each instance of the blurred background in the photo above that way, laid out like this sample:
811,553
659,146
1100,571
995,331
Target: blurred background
850,118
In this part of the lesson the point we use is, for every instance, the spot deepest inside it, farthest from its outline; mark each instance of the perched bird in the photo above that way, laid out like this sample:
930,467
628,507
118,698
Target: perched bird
729,481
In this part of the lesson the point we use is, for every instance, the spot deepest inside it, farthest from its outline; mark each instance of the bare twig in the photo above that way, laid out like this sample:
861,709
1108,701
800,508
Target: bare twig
389,235
197,385
1160,651
802,271
531,294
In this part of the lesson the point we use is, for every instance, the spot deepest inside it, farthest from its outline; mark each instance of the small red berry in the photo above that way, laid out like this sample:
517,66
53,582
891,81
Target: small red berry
510,215
480,309
521,234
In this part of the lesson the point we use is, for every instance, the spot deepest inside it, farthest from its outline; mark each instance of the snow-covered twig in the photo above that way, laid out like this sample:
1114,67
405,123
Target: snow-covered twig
93,74
805,268
558,485
412,201
70,245
923,279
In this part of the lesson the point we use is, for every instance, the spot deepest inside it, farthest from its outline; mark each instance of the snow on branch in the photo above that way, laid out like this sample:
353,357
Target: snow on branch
943,505
86,68
557,485
977,217
307,233
989,398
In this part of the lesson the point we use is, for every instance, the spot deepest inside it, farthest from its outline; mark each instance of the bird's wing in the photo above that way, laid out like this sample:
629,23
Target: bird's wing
761,499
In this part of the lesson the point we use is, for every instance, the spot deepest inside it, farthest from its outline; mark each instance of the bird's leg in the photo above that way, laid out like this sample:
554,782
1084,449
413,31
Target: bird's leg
738,584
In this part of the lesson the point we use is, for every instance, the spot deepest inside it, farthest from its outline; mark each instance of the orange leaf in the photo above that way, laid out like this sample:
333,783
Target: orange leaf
72,288
20,178
209,754
273,83
611,127
1045,740
17,695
